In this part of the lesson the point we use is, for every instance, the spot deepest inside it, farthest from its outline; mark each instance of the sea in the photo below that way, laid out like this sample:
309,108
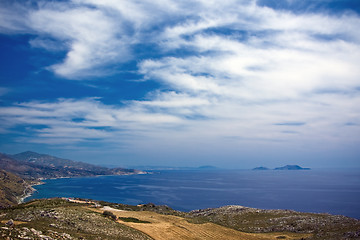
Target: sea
319,191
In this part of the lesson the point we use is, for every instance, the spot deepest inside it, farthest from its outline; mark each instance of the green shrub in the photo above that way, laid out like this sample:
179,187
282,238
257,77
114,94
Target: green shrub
110,215
131,219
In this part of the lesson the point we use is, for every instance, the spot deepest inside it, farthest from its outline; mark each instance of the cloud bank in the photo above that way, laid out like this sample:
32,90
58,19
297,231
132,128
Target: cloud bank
234,74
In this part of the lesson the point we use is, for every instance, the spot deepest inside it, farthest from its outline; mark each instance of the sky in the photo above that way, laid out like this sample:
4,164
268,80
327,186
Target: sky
234,84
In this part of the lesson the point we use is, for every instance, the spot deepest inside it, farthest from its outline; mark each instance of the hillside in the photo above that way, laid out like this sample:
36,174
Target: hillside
321,226
31,165
59,219
89,219
28,170
12,188
55,162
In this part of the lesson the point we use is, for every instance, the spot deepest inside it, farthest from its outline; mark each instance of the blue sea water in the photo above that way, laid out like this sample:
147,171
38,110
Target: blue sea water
321,191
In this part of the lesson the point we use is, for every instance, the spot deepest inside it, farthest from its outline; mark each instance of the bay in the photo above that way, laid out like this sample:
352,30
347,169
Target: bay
320,191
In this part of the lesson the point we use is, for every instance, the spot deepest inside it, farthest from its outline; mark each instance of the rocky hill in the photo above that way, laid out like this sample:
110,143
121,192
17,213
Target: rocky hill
320,226
27,170
60,219
12,189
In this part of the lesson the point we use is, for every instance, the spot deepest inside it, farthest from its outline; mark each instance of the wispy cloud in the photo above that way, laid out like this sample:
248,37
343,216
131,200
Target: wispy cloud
98,34
290,124
3,91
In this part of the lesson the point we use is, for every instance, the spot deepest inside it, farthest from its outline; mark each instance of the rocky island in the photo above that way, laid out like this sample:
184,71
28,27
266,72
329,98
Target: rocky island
287,167
260,168
291,167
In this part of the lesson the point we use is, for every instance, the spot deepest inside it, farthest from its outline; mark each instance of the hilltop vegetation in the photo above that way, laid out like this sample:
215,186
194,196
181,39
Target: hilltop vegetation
59,219
85,219
321,226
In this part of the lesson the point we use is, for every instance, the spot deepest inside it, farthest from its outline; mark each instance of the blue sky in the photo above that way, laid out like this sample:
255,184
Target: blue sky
182,83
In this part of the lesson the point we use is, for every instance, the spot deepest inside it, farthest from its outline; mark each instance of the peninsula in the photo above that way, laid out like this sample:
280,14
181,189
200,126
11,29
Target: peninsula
20,171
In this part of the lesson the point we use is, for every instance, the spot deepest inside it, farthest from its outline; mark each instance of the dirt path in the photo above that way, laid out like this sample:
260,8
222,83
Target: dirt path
165,227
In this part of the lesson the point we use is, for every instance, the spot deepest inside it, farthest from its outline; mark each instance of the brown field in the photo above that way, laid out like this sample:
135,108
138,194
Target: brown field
165,227
15,222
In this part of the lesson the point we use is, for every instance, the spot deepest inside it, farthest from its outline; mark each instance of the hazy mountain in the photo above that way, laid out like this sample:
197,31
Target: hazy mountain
28,170
32,165
51,161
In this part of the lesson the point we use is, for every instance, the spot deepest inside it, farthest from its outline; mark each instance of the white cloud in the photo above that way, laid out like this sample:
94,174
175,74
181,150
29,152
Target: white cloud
243,71
82,119
94,40
101,33
246,69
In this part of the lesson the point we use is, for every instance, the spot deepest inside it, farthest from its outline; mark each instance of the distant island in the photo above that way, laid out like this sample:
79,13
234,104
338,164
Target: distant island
261,168
287,167
291,167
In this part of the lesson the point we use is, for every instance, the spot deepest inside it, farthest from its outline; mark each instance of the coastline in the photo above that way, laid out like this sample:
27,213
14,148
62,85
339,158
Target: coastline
171,192
28,192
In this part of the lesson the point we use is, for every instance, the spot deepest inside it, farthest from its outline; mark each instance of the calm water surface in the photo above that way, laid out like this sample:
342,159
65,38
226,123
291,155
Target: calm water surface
331,191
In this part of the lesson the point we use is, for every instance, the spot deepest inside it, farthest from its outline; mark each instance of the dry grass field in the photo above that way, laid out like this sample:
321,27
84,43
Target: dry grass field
165,227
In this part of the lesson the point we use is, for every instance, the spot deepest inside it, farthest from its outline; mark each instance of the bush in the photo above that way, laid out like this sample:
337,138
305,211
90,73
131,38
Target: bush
110,215
131,219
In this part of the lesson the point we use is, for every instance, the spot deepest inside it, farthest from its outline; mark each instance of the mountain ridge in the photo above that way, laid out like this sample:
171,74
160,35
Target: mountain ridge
36,166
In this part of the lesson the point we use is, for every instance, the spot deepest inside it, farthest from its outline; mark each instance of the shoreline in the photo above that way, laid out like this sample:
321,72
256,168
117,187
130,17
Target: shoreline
181,206
27,194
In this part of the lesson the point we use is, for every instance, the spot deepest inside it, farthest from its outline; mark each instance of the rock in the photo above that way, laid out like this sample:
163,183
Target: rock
10,223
